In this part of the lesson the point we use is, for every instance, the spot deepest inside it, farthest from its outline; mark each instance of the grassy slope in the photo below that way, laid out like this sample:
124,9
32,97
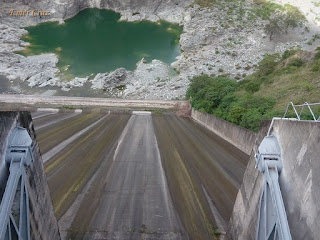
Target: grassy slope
278,80
301,85
291,80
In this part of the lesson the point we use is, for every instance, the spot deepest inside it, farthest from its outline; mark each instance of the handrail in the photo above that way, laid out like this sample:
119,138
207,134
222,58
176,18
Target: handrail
14,207
298,115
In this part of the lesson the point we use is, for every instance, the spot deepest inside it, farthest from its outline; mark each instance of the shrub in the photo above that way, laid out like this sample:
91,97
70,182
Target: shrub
205,3
236,114
252,86
315,68
317,55
259,1
276,24
296,62
217,232
268,64
218,96
281,18
207,92
288,53
293,16
266,9
251,119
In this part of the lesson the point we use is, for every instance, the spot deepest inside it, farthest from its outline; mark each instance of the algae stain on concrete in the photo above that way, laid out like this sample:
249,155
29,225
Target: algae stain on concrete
96,41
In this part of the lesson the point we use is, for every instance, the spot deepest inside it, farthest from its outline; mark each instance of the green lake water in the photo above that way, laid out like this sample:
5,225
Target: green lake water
96,41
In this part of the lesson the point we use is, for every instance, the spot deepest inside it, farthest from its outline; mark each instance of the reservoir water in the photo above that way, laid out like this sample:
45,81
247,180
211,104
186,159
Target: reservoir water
95,40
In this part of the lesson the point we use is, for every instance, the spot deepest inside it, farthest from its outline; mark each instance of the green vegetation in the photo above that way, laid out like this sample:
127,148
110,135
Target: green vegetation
68,107
219,96
217,232
278,80
280,17
158,111
316,3
265,9
205,3
210,3
143,229
314,38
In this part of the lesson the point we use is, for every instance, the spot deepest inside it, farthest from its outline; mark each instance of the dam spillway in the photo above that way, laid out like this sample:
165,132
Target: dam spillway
137,174
164,176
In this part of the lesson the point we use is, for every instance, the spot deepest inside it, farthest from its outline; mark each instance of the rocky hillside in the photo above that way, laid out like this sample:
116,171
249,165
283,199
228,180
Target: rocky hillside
226,38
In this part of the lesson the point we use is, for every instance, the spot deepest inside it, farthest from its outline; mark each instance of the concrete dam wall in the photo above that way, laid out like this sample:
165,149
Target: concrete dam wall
299,142
240,137
43,224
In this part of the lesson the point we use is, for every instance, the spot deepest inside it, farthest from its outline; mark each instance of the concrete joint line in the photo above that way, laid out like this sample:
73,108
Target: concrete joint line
48,155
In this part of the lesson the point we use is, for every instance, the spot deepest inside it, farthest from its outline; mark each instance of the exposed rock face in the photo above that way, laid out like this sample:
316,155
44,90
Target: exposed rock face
76,82
148,81
151,81
110,80
222,40
38,70
170,10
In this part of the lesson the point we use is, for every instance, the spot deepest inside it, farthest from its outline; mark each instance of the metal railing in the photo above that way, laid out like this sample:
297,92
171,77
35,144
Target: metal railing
302,106
272,218
14,208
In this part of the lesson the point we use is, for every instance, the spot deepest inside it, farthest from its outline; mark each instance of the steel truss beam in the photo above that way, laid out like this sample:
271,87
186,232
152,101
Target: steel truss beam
272,217
14,208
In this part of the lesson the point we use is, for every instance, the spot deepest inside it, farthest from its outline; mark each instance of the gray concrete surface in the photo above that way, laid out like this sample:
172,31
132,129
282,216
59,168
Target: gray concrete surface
300,178
4,84
43,122
42,219
243,221
58,148
23,100
240,137
135,202
137,175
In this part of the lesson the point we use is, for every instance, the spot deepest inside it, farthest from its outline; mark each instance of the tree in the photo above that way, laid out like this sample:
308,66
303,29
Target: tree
282,18
276,24
293,17
236,113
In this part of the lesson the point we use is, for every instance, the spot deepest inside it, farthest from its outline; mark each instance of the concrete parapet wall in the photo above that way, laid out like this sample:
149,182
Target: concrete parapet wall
240,137
300,177
299,182
243,221
42,219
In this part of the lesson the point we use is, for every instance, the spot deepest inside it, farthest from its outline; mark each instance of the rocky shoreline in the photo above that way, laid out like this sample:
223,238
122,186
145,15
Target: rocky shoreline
221,40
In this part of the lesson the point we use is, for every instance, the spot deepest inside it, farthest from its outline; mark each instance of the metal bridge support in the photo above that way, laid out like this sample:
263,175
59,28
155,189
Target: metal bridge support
14,208
272,218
